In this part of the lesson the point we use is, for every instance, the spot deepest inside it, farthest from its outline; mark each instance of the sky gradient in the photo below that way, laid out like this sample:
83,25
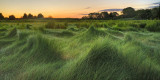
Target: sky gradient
68,8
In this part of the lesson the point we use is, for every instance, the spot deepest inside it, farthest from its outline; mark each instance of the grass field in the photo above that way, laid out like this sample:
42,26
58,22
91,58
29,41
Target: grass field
80,50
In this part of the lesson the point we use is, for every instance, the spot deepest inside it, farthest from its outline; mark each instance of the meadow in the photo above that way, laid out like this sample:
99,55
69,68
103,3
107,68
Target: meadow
80,50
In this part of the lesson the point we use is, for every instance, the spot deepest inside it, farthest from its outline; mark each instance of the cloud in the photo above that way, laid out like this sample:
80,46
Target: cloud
153,5
83,14
87,8
156,3
115,10
110,10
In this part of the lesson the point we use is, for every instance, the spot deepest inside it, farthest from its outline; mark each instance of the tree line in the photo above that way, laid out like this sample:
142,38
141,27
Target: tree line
25,16
128,12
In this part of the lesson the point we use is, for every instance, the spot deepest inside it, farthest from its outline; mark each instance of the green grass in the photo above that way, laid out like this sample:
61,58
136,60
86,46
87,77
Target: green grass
80,50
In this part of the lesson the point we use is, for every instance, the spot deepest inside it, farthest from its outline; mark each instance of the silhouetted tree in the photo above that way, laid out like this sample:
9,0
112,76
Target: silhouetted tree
40,16
128,12
155,13
85,17
144,14
30,16
12,17
113,15
90,15
1,16
34,17
94,15
50,17
104,15
159,12
25,16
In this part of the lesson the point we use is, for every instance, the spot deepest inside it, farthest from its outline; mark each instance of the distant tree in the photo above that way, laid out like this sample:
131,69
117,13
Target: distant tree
128,12
30,16
139,14
113,15
12,17
90,15
156,13
159,12
148,13
50,17
1,16
40,16
104,15
94,15
34,17
25,16
85,17
144,14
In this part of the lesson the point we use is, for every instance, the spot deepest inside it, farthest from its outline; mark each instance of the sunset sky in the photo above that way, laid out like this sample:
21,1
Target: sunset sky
69,8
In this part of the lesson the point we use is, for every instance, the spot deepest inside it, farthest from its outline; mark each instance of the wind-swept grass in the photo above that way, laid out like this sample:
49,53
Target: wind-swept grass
84,50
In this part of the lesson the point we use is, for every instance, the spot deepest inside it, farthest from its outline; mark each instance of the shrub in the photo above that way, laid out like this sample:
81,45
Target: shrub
28,26
60,26
153,26
66,24
134,25
50,25
142,25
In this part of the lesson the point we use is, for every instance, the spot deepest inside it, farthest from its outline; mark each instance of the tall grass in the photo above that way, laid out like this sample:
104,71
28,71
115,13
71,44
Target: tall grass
103,50
55,25
153,26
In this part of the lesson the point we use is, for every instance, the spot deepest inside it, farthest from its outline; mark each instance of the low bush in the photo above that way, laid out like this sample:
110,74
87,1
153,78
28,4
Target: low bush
50,25
153,26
